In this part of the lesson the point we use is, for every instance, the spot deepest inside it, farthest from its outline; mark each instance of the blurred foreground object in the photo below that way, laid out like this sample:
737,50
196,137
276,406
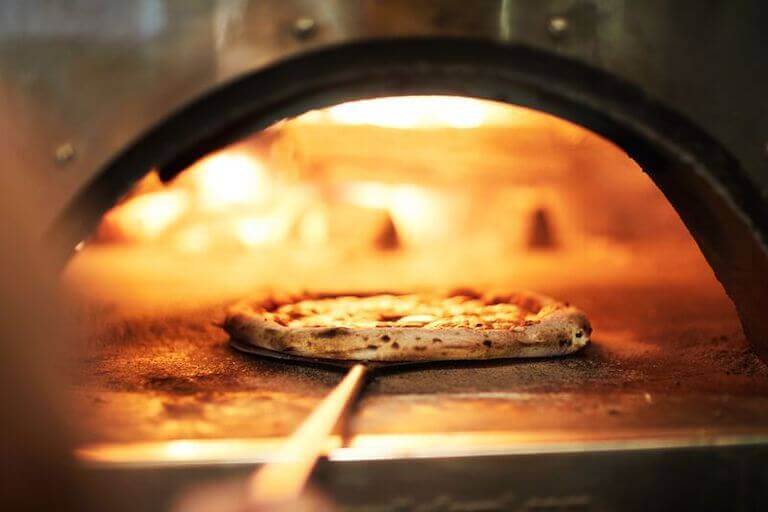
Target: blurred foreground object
34,446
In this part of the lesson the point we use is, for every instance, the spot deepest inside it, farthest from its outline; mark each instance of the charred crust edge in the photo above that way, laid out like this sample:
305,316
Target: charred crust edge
332,332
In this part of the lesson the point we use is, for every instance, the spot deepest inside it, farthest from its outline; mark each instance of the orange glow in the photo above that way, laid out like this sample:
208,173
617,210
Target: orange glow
228,178
418,112
240,197
254,231
416,211
191,213
313,227
145,217
438,190
192,239
386,446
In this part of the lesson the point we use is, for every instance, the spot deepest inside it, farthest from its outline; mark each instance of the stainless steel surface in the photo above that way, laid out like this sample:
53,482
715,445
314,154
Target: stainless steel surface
682,478
245,452
99,75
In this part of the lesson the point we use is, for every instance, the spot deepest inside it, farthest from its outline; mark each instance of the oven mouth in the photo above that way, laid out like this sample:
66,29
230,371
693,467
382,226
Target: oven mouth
704,184
667,361
427,192
666,346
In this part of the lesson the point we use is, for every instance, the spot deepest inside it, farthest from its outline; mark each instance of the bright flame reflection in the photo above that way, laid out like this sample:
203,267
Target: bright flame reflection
193,239
146,217
313,229
418,111
257,231
382,446
416,211
312,204
234,199
182,449
228,178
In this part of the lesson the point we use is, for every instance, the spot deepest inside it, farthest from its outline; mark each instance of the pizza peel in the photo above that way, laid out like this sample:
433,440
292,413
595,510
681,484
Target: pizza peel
278,484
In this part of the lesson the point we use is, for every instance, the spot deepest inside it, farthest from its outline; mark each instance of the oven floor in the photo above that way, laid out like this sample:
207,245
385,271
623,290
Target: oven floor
664,359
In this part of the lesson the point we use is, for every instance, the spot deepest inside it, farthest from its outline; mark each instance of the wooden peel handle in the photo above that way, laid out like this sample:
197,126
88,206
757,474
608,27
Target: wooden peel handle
281,482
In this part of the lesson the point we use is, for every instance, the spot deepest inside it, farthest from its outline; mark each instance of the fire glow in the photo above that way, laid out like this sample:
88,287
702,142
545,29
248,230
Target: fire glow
233,196
230,200
391,193
418,112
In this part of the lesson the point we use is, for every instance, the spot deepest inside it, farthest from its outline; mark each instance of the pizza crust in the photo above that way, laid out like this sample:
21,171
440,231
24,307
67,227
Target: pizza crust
542,327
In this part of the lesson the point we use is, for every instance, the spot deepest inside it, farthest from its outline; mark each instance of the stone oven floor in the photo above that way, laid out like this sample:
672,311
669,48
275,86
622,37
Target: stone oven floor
665,359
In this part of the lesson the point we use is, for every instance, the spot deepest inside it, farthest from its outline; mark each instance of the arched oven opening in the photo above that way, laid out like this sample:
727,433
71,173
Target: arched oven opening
411,165
703,183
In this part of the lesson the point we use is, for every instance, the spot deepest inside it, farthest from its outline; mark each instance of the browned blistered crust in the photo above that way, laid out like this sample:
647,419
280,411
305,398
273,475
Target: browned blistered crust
386,327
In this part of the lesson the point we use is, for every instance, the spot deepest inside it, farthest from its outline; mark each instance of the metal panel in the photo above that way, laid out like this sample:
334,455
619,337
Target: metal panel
722,478
89,77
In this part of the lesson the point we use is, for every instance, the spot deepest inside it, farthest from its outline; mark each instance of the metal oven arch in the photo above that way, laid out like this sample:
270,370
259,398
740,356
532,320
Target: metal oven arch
703,182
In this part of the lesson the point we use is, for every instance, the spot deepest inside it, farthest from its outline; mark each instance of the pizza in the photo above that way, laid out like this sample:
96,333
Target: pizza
461,324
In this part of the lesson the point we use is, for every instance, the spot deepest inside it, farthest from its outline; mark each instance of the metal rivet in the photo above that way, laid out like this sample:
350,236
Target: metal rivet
304,28
557,26
65,153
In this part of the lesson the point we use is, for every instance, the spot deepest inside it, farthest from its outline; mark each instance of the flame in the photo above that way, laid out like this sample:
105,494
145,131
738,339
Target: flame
256,231
230,183
426,185
193,239
232,199
313,228
228,178
418,213
145,217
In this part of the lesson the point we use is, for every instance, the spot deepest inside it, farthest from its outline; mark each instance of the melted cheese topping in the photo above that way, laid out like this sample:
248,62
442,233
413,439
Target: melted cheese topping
416,310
